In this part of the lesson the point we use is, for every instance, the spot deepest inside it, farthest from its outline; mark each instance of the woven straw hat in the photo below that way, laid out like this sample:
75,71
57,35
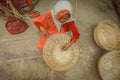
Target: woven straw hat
57,59
107,35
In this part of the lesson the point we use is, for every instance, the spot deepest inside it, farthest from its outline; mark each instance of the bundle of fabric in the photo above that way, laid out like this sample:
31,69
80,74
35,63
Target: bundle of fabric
15,25
16,3
57,59
22,6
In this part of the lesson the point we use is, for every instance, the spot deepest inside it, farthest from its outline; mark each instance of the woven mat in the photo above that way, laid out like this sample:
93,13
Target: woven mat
57,59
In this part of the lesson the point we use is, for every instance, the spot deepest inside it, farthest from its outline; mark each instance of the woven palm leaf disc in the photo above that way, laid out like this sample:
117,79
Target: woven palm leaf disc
109,66
57,59
106,35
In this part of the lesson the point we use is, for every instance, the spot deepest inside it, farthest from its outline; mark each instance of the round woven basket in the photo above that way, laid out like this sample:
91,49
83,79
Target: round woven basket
57,59
107,35
109,66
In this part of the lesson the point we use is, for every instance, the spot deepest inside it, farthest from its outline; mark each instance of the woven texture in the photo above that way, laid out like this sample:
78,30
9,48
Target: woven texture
109,66
106,35
57,59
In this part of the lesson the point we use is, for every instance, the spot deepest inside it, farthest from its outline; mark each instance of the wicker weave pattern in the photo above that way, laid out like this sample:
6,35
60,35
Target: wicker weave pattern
57,59
109,66
106,35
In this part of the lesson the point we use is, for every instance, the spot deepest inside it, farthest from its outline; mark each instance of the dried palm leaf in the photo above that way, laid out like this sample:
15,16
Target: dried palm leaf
15,11
5,11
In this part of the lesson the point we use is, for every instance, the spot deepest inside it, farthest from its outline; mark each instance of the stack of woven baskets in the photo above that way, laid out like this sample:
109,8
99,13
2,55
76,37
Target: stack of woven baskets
107,36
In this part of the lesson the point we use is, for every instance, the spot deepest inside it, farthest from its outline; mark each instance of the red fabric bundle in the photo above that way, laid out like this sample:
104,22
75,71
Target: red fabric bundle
15,25
17,3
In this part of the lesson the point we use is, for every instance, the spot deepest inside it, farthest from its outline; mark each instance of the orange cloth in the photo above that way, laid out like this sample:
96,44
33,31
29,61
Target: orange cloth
29,2
41,42
47,22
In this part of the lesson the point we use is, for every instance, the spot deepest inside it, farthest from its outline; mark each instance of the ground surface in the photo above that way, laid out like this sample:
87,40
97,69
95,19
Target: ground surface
20,58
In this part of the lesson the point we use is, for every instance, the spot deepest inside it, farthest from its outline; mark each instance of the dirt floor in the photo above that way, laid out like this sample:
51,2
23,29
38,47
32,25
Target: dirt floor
20,58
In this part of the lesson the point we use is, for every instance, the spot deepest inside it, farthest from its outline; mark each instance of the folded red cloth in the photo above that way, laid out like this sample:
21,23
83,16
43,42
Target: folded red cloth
15,25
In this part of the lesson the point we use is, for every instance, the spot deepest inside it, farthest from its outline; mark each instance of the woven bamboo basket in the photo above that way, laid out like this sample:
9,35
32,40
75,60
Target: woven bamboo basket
107,35
57,59
109,66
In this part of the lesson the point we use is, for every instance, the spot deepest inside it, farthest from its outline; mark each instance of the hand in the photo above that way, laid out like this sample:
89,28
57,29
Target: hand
44,31
66,47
